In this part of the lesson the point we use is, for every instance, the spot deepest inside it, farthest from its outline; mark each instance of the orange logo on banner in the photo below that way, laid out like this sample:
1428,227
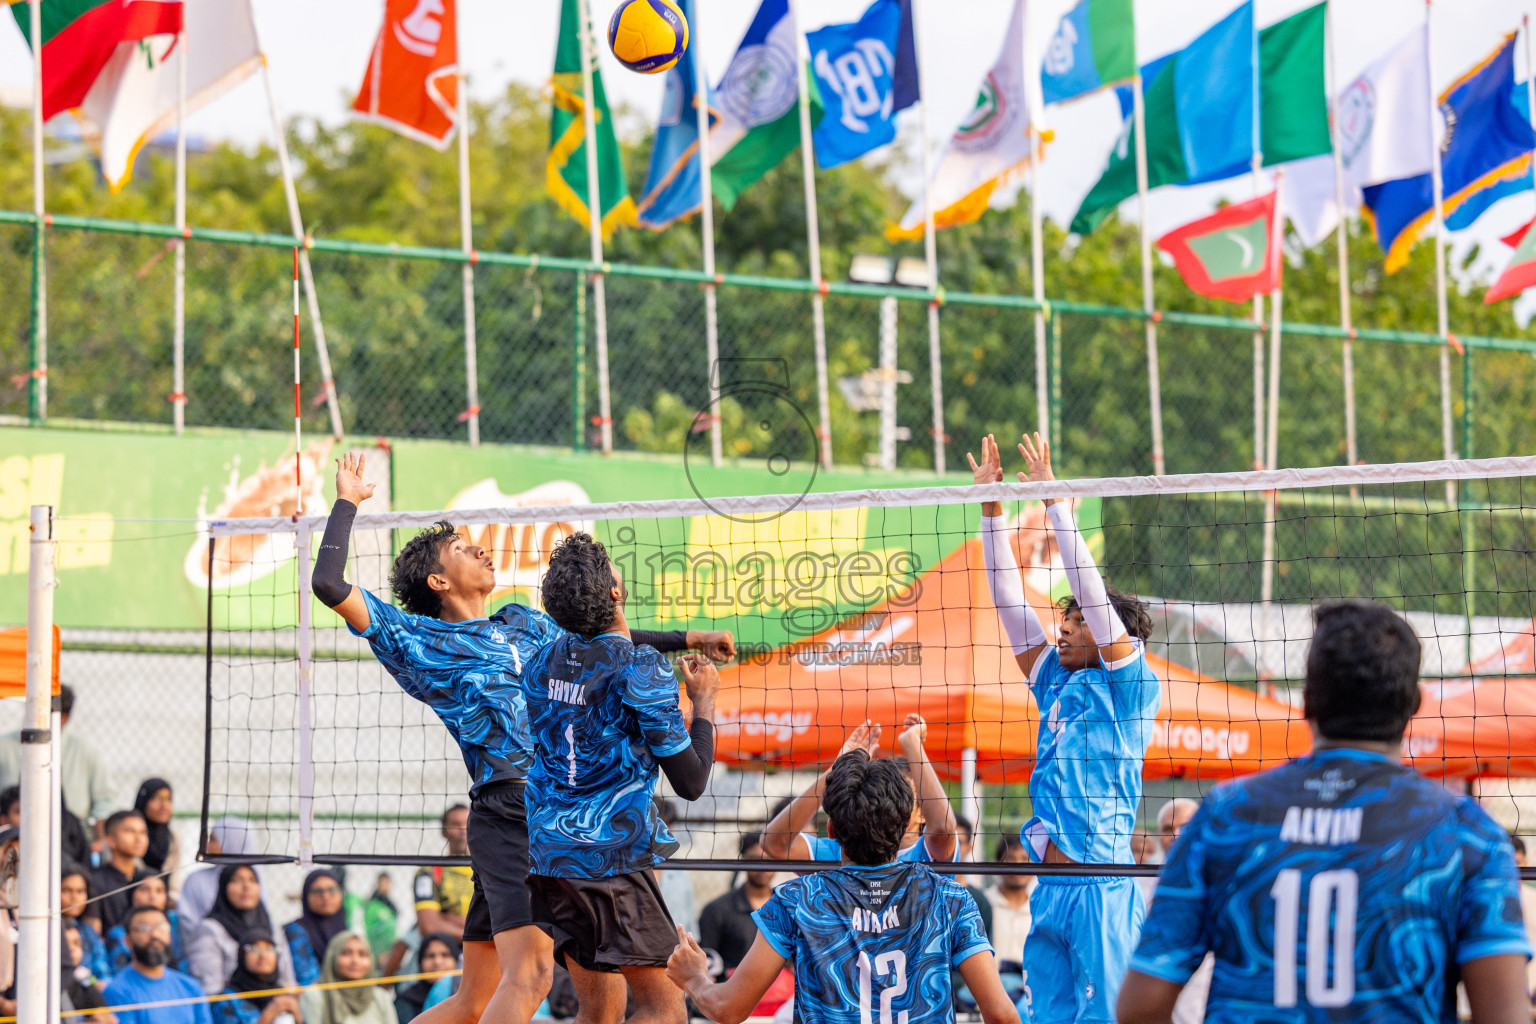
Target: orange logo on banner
412,82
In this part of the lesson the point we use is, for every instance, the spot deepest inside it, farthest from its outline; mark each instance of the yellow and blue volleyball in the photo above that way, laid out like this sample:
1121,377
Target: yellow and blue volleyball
648,36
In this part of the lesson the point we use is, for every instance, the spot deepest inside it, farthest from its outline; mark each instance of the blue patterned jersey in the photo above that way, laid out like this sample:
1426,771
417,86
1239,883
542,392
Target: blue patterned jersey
873,943
1342,886
823,848
1095,725
466,672
602,712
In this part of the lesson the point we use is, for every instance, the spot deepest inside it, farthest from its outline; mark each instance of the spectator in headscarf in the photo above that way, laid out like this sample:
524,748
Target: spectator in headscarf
154,802
235,837
348,958
213,948
151,892
323,919
257,973
74,896
438,951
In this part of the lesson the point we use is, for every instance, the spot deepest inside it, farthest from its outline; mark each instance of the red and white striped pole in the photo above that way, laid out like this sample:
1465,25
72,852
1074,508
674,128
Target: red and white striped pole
298,479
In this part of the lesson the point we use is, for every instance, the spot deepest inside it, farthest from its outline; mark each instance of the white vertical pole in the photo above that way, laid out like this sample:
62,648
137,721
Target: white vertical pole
813,238
1271,455
467,240
296,225
931,252
707,225
34,952
970,797
1442,310
1036,245
55,859
38,406
1154,377
306,716
179,300
595,221
1346,317
888,323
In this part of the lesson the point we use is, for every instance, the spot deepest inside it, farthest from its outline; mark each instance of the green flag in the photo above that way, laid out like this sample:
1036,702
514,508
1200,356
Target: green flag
566,169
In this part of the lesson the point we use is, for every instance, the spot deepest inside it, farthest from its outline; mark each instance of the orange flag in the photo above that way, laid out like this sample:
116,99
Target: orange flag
412,84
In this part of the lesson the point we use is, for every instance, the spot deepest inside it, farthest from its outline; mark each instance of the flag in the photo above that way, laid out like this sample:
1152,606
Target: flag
757,103
1520,274
1474,206
867,73
1231,254
134,97
1200,108
565,171
412,82
1094,46
673,189
80,36
1486,143
991,145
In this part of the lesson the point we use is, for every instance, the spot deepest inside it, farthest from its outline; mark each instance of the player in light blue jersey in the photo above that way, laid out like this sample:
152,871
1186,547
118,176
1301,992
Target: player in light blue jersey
1097,699
1343,886
873,941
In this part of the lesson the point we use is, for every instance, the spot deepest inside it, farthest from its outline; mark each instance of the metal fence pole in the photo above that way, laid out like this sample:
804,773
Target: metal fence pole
1054,340
579,367
37,382
34,953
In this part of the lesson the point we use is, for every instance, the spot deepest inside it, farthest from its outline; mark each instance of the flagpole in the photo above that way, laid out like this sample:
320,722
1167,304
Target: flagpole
1037,248
595,223
1346,316
37,382
467,240
1154,377
931,253
707,224
813,239
1272,446
1442,310
179,298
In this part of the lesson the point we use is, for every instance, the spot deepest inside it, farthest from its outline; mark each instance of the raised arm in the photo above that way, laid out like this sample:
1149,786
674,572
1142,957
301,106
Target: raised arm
783,837
1025,634
716,644
732,1000
940,830
1099,615
688,769
329,582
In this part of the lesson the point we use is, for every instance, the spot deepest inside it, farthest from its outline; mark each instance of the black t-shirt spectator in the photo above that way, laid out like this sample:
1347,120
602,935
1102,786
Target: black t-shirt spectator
726,926
114,908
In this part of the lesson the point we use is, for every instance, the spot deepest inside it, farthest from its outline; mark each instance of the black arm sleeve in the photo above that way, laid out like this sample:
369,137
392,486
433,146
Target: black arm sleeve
688,770
328,580
664,640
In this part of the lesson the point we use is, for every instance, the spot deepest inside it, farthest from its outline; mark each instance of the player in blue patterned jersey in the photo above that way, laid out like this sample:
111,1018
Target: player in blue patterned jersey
1098,699
444,651
606,721
1344,885
873,941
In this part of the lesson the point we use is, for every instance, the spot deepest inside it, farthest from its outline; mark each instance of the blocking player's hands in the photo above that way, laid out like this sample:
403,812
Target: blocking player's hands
701,682
914,733
989,471
865,736
1037,462
349,479
715,644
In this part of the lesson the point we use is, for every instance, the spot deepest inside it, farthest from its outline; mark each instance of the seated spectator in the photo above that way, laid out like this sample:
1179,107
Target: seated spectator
931,834
1010,906
149,980
437,952
149,893
74,896
81,989
235,837
322,920
257,973
726,926
443,892
348,958
213,948
966,854
75,846
127,838
155,804
83,776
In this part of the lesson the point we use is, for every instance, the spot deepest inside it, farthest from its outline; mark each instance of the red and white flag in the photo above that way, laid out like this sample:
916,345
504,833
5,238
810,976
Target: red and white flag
412,84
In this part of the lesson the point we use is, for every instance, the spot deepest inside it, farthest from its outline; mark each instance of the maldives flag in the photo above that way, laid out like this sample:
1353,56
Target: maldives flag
1521,272
412,82
79,37
1233,254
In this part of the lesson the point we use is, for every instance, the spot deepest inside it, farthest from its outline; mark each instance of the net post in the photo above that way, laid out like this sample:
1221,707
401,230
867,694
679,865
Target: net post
970,793
55,857
34,954
579,366
306,717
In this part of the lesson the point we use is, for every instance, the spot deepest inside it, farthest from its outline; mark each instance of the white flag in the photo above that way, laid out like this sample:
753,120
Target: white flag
134,97
1381,137
988,148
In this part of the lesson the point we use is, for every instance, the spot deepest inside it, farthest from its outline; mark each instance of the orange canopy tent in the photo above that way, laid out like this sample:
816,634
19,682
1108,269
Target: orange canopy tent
1483,723
937,648
13,662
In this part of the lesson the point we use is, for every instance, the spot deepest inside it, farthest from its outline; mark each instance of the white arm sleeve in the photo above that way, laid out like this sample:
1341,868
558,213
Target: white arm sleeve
1087,584
1019,619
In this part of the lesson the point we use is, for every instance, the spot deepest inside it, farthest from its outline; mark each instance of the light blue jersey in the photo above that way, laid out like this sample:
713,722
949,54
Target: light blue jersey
1095,725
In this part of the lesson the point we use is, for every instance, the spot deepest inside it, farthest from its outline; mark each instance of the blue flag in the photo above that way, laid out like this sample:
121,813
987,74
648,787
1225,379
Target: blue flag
1474,206
1487,148
672,188
1216,90
1094,46
868,72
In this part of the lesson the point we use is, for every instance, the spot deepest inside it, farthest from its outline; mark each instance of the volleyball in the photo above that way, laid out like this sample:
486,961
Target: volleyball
648,36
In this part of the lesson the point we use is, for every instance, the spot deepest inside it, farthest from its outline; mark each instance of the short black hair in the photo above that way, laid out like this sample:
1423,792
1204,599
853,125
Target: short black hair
747,841
141,909
1517,843
117,818
421,557
455,807
870,803
73,867
10,796
577,585
963,824
1006,845
66,698
1133,612
1362,672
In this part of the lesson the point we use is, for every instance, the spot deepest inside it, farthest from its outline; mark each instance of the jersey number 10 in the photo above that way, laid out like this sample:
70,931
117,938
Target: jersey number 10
1327,887
893,963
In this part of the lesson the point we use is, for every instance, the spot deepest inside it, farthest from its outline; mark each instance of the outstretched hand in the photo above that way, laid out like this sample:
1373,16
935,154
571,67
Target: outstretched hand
865,736
688,962
1037,459
914,733
349,479
991,469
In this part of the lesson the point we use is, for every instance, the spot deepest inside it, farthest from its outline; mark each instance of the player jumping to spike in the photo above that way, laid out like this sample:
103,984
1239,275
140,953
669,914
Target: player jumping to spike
1343,886
1097,700
874,940
445,652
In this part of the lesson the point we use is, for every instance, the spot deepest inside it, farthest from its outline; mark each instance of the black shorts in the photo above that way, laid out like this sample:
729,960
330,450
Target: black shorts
606,923
498,852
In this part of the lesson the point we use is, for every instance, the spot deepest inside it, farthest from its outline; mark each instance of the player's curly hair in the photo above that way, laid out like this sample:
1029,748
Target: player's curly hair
870,803
1362,672
421,557
1133,612
577,585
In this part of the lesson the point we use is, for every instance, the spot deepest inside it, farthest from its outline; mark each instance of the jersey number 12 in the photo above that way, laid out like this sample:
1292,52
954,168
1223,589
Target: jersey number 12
893,963
1326,932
